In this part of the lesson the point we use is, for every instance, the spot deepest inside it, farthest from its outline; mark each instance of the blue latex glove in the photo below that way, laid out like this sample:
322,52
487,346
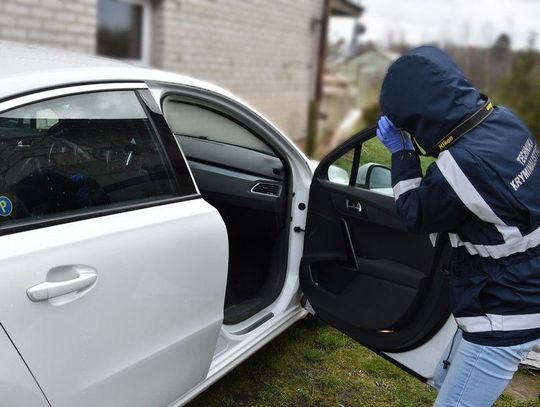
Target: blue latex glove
391,137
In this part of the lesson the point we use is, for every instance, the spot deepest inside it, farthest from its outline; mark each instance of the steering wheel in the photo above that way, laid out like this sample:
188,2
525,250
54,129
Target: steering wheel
53,137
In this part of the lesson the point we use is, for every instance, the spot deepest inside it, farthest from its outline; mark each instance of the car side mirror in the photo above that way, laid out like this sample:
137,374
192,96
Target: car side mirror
379,177
375,177
338,175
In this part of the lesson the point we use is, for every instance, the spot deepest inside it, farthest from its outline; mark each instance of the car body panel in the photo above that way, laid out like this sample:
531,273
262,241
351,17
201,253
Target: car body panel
246,347
62,74
146,331
425,359
28,68
17,386
199,306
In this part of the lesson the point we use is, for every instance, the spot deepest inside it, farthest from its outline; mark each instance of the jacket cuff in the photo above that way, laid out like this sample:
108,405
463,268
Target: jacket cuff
405,166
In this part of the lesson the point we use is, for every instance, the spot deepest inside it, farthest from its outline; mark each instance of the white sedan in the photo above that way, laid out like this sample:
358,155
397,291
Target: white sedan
155,231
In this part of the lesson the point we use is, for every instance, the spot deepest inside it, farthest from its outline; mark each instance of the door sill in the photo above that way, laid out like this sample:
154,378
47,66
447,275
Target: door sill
255,324
232,357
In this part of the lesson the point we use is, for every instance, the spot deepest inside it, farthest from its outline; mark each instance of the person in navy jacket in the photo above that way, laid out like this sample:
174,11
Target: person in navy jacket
484,192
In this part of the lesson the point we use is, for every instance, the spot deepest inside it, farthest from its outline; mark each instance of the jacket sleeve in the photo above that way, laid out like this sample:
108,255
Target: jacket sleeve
425,204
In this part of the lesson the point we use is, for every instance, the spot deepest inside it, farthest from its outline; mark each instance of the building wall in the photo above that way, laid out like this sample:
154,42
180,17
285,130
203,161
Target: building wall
262,50
67,24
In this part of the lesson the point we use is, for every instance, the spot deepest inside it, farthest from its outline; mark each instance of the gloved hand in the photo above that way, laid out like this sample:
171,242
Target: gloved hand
391,137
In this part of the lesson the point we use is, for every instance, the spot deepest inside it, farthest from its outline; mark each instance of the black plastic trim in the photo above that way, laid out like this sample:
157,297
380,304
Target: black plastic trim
256,324
169,145
235,187
355,166
95,213
233,157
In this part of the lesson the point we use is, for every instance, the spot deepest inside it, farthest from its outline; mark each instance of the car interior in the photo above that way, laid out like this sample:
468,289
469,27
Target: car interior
63,164
362,271
245,180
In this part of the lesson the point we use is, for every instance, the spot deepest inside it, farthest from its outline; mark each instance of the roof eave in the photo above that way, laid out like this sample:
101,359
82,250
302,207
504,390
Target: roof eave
345,8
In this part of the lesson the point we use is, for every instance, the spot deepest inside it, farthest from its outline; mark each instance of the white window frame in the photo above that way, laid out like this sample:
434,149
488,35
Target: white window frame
146,32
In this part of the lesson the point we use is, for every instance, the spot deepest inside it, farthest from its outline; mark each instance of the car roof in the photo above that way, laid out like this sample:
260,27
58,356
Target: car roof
27,68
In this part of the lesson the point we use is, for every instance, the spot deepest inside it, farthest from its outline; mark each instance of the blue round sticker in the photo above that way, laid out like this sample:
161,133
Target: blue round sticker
6,207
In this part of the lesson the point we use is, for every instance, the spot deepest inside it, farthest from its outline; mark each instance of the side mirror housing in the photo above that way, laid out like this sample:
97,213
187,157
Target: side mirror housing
376,178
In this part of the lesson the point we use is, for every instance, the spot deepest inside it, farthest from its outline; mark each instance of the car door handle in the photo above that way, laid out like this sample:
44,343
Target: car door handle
51,289
354,206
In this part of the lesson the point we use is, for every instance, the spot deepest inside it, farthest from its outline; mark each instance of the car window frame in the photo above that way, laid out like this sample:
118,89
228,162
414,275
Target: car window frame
356,164
173,156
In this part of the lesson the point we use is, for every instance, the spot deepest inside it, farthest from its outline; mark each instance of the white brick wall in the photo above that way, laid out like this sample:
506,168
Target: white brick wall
263,50
58,23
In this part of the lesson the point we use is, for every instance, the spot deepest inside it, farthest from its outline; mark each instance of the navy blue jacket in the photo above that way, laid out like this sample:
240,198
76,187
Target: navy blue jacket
484,191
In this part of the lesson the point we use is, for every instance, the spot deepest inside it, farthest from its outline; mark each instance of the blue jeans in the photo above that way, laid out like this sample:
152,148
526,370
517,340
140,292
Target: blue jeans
477,374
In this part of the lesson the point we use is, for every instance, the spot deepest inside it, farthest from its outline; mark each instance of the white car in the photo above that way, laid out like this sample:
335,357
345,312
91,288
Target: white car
138,265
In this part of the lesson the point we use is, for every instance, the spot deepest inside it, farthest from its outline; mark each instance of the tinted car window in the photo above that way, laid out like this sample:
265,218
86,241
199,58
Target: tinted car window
194,121
78,153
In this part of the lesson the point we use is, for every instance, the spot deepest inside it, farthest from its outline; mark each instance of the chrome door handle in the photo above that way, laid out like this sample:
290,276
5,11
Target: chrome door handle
353,206
49,289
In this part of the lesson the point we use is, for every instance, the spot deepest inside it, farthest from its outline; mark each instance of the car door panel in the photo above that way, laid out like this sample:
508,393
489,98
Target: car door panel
146,332
113,267
383,272
17,386
363,272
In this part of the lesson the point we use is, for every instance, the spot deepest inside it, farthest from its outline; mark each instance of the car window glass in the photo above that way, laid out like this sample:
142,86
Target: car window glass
340,171
373,172
380,177
374,152
194,121
77,153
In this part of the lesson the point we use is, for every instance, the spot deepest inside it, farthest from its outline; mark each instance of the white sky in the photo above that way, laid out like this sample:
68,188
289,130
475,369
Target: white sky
466,22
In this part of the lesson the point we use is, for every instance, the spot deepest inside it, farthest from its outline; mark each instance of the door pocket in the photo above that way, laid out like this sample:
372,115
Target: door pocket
379,295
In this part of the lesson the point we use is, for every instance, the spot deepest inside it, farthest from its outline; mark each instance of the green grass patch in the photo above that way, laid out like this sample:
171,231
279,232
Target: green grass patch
373,151
315,365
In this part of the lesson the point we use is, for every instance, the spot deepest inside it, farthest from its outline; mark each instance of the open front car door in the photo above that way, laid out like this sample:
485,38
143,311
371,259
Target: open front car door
363,272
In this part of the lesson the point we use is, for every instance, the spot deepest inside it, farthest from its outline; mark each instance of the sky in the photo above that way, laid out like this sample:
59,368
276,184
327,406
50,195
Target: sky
465,22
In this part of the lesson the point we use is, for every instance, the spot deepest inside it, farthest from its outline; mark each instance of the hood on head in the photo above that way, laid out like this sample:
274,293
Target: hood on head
425,93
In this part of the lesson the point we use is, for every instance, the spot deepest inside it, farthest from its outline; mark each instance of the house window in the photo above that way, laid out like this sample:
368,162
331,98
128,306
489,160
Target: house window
123,30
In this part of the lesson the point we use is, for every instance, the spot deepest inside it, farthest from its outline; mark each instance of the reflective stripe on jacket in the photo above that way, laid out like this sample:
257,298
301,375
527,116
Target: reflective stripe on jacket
484,191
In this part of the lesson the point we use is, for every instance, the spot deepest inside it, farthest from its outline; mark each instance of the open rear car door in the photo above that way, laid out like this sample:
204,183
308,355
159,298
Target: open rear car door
363,273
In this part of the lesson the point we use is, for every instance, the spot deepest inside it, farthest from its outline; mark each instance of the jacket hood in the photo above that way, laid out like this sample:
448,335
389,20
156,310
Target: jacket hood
425,93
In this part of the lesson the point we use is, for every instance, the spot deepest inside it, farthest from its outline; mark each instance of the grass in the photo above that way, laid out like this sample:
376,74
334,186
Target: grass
315,365
373,151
